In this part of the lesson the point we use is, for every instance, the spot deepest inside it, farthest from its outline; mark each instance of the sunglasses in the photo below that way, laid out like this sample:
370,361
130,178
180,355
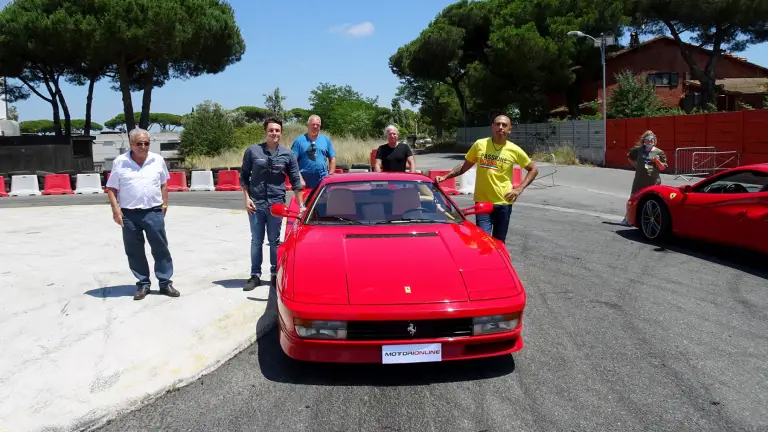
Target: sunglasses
311,151
142,144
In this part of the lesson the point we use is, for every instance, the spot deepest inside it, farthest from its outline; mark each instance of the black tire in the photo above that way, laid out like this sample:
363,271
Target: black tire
654,219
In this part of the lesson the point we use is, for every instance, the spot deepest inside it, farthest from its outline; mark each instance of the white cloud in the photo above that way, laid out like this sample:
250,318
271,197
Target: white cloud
364,29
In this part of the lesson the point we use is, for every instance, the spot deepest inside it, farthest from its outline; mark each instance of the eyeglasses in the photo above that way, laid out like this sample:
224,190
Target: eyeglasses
311,151
142,143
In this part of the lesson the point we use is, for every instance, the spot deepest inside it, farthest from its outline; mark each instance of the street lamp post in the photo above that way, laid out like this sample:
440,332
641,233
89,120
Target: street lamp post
601,42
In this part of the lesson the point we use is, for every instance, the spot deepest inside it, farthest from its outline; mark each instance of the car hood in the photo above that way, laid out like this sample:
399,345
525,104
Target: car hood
399,265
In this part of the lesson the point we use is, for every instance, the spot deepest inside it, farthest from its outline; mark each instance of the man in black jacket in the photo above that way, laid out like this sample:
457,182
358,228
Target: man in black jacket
262,178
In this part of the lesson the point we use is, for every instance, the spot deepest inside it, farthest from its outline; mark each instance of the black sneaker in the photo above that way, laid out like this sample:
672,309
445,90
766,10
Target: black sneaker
252,283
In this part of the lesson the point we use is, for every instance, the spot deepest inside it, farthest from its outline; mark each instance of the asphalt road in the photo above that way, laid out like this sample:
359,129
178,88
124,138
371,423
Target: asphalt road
620,336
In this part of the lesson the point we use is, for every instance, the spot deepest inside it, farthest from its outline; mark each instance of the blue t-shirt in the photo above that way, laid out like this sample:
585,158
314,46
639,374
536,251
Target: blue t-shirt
323,149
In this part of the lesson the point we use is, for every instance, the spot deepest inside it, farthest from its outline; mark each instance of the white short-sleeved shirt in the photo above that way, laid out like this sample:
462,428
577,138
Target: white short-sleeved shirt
138,186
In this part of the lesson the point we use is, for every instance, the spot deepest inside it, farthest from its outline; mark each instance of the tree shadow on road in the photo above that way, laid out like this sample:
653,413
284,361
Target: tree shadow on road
278,367
736,258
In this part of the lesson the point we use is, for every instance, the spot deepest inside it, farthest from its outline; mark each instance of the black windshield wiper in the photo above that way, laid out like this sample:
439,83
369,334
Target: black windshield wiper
339,218
422,220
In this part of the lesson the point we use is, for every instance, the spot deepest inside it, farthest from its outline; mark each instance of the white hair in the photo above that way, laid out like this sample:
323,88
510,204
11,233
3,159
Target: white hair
313,116
386,129
134,134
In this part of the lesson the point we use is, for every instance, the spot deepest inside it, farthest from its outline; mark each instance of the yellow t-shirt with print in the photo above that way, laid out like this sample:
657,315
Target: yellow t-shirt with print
494,168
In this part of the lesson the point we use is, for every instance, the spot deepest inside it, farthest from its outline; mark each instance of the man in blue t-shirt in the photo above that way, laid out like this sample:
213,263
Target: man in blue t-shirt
315,153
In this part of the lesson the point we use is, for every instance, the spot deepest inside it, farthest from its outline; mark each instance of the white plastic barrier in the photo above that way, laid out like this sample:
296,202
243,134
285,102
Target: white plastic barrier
201,181
89,184
467,181
24,185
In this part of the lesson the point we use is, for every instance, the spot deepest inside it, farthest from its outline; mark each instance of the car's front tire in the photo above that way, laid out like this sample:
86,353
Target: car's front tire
654,219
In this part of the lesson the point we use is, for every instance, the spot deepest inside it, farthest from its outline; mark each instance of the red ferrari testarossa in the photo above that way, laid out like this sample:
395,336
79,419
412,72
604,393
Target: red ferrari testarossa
385,268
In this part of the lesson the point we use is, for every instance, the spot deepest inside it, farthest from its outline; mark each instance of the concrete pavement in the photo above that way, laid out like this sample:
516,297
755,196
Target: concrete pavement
77,349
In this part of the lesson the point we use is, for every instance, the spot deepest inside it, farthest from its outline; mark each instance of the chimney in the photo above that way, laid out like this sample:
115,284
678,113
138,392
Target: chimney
634,40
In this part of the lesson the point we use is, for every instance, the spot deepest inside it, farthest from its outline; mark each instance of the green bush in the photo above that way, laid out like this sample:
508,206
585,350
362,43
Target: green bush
208,131
251,133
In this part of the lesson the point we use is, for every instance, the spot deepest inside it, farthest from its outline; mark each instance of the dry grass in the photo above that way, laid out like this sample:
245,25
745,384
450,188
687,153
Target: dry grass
564,155
348,150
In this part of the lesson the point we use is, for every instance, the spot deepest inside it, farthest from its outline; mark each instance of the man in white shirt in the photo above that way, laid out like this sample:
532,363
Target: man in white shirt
138,193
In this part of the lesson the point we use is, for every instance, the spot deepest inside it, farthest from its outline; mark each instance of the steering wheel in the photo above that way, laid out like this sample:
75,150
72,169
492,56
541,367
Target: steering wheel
414,209
735,188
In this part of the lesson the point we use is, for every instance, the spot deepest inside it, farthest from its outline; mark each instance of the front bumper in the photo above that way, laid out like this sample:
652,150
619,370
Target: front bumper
372,351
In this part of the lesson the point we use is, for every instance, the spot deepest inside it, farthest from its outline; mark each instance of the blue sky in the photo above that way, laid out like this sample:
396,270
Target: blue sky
295,48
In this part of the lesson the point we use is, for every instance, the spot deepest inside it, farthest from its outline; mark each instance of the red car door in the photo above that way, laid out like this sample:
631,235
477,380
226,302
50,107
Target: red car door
717,209
711,217
755,222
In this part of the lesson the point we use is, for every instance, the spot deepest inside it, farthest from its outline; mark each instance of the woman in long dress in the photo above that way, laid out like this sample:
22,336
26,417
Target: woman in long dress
648,161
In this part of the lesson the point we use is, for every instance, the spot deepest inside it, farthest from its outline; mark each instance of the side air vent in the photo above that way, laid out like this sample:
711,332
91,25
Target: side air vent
406,235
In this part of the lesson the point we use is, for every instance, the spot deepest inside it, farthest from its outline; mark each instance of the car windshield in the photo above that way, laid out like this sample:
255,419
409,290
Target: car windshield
382,203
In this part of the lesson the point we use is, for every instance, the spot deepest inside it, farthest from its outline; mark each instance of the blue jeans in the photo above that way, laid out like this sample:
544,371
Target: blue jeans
262,220
497,222
152,223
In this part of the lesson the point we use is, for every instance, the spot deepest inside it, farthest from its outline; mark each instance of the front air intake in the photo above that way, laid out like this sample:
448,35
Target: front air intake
403,235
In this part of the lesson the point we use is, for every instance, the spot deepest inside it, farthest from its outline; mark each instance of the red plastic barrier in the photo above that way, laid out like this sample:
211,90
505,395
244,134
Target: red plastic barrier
57,184
517,176
3,193
178,182
448,186
229,180
373,157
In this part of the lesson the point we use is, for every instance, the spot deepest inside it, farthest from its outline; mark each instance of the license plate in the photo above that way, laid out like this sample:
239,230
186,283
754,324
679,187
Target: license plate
411,353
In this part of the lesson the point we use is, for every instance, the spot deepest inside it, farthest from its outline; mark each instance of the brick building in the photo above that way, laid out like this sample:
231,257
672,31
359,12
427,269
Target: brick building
660,61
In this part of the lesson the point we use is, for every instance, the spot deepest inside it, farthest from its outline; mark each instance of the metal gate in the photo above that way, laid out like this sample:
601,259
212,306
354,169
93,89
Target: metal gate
710,162
703,161
684,160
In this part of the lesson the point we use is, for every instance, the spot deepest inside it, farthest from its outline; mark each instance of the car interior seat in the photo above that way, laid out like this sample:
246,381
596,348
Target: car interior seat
341,202
374,212
405,199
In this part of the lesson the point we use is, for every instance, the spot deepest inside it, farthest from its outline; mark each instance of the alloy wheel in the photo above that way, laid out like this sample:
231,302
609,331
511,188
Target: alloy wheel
651,219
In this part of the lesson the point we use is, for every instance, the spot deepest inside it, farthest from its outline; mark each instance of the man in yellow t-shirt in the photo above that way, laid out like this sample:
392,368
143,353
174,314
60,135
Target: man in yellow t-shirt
495,158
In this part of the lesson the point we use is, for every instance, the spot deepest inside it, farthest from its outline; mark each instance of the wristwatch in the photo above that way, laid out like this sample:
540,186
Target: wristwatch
165,206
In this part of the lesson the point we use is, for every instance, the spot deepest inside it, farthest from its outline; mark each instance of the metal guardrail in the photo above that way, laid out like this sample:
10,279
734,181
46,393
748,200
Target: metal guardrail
552,174
684,161
706,163
703,161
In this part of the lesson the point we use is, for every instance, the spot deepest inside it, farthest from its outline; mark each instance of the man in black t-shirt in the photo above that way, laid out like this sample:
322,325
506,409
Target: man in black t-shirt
393,156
